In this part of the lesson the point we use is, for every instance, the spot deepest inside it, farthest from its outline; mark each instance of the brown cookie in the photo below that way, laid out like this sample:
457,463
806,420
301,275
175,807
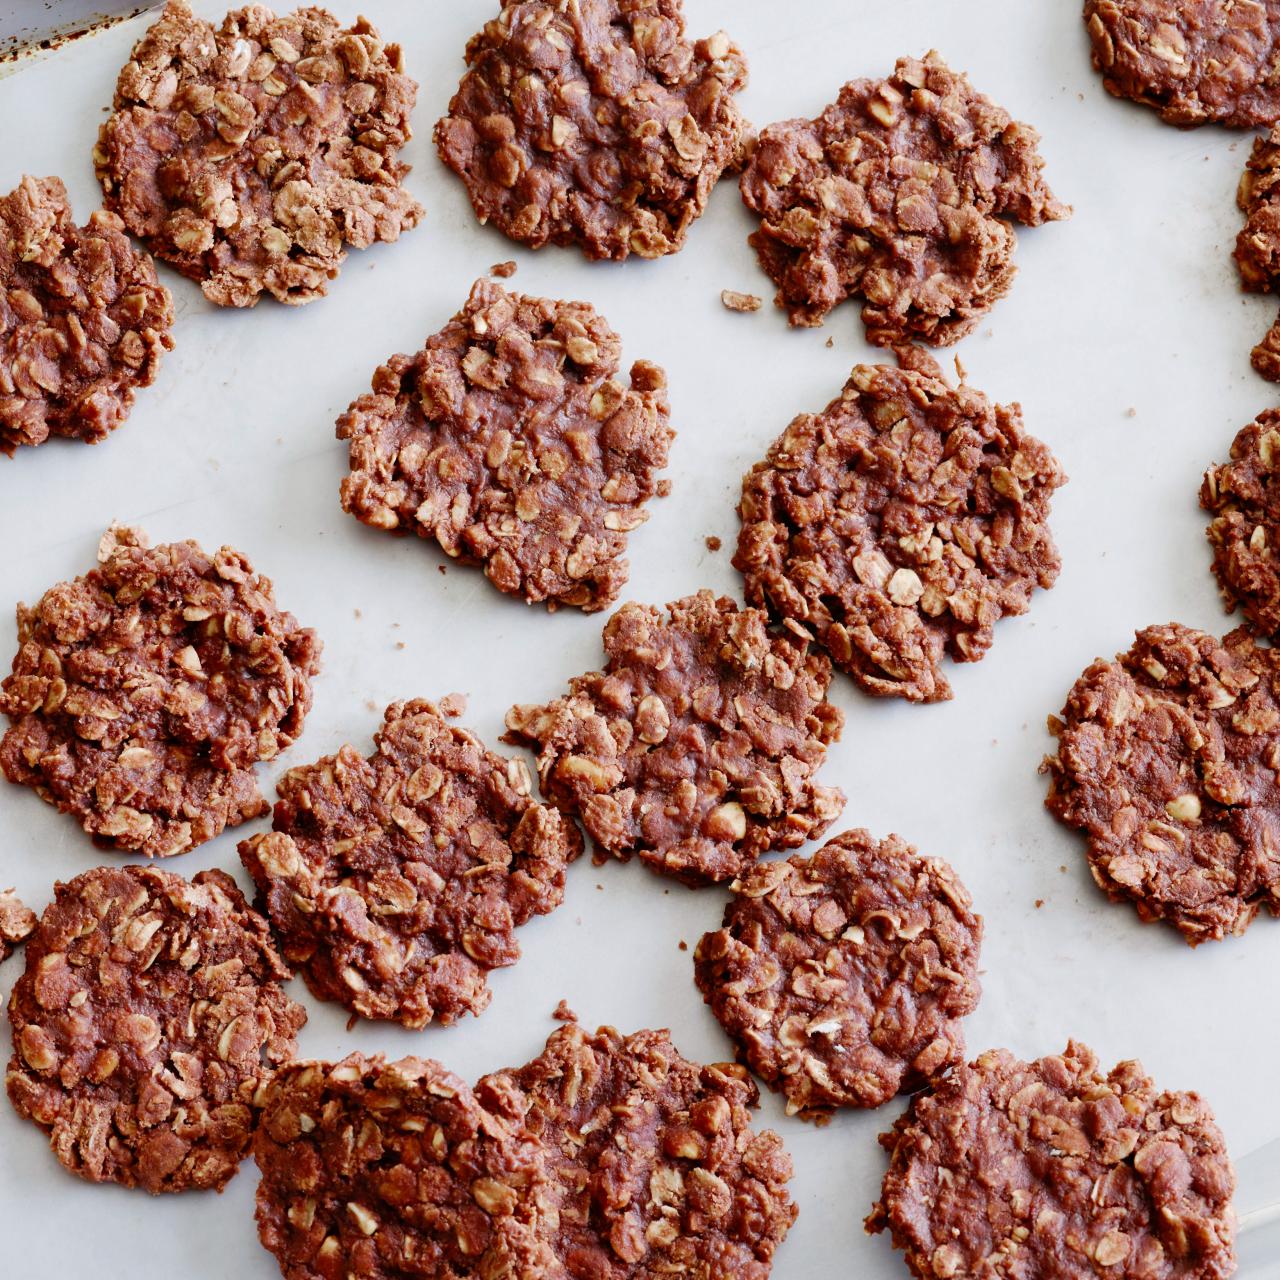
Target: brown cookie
1194,61
149,1013
1167,761
842,978
1257,251
596,124
511,441
900,523
250,155
16,923
1051,1170
903,192
658,1169
696,746
143,694
396,883
83,319
377,1169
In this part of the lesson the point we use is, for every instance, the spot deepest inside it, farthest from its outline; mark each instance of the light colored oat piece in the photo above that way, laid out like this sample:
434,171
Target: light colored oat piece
732,300
16,923
250,155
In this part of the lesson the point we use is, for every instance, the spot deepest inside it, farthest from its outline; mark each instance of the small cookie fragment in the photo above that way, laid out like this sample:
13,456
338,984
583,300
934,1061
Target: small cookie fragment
1073,1174
696,746
149,1013
1194,61
659,1170
375,1168
900,523
1257,250
732,300
1166,762
143,694
83,319
597,124
842,978
512,442
16,923
251,154
903,192
396,883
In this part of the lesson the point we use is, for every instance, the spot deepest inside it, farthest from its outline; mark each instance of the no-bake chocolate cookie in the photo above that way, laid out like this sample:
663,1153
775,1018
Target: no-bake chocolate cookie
1257,251
697,745
252,154
511,440
16,923
842,978
149,1013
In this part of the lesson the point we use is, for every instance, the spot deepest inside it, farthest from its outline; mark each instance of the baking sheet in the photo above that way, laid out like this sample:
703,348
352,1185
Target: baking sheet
1125,339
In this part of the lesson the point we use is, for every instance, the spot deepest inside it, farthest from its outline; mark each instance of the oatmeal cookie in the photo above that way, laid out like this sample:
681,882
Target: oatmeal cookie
378,1169
16,923
696,746
1257,251
657,1166
512,442
396,883
143,694
1051,1169
1167,762
250,155
899,524
149,1013
842,978
83,319
904,192
597,124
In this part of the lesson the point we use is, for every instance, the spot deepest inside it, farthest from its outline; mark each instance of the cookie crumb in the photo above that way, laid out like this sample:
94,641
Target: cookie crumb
684,946
1039,903
732,300
562,1013
713,543
16,921
503,270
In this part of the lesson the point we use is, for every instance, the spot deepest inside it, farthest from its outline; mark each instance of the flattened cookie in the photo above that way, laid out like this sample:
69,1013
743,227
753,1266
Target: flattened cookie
16,923
1069,1174
512,442
904,192
396,883
1257,251
596,124
842,978
250,155
900,523
148,1015
1167,762
1194,61
83,319
143,694
696,746
657,1166
396,1169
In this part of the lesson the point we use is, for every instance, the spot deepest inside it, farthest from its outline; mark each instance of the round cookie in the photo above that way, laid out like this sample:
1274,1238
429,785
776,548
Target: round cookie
596,124
512,442
697,745
83,319
16,923
396,883
1051,1169
149,1013
900,523
250,155
842,978
1167,762
1257,249
904,192
372,1168
143,693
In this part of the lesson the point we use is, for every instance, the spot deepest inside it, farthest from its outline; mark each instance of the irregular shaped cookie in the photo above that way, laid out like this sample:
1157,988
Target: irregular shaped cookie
143,693
1058,1172
149,1013
696,746
596,124
1257,251
396,883
250,155
83,319
900,523
16,923
903,192
1194,61
842,978
1167,761
512,442
371,1168
657,1166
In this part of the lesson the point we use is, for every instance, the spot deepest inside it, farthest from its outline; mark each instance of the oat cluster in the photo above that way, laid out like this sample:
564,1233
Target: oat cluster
16,923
